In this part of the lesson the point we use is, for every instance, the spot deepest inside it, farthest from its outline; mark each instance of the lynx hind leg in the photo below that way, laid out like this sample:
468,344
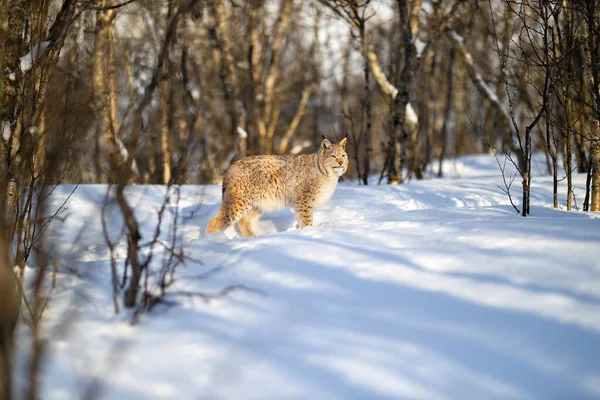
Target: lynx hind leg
304,214
231,211
246,223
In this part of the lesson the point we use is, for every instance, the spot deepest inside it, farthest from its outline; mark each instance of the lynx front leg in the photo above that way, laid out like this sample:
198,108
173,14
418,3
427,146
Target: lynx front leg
215,224
304,214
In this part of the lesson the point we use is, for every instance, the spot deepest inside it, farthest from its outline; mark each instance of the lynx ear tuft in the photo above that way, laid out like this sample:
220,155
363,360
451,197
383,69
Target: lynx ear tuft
343,143
326,144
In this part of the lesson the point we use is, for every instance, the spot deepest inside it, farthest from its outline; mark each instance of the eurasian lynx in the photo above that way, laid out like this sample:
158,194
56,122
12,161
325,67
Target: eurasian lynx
256,184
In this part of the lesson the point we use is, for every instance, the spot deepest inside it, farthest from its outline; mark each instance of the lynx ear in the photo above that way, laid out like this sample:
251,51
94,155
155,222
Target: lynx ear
326,144
342,143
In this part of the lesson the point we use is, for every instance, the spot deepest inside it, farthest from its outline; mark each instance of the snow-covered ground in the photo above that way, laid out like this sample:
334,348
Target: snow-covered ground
432,290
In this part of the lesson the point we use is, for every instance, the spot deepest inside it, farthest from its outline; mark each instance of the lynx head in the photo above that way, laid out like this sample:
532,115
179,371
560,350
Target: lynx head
333,160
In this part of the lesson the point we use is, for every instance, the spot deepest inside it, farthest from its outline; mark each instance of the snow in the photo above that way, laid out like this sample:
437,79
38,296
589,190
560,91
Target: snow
6,130
432,290
411,115
125,155
29,59
300,146
419,46
457,38
242,132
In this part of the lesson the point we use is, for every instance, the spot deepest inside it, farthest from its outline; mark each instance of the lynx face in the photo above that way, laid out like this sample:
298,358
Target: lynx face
333,158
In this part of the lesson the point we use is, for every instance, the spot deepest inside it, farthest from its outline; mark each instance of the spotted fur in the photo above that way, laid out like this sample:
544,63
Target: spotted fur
257,184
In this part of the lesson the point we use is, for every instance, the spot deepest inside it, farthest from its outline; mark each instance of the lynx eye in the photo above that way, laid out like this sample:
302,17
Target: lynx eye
333,155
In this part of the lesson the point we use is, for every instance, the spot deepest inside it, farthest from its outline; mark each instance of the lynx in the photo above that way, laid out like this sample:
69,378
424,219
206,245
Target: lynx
257,184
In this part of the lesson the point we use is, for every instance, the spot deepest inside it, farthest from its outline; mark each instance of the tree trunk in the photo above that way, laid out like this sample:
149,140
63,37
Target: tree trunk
396,160
366,135
588,188
283,144
164,133
569,171
111,72
448,111
481,86
526,173
567,151
254,78
428,111
553,156
593,37
9,312
270,108
580,153
13,46
40,151
595,159
101,92
14,49
3,34
228,73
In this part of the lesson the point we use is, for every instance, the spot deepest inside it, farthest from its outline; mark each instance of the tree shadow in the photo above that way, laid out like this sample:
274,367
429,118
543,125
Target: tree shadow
378,339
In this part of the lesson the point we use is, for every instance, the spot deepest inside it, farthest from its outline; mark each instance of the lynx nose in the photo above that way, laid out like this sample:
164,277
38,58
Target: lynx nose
340,162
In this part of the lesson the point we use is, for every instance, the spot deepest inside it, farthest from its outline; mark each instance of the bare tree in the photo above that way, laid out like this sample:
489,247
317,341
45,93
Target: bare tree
9,311
591,14
448,120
